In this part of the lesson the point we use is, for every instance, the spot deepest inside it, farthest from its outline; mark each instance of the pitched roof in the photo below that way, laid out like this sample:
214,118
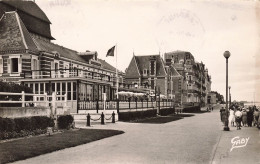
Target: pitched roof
68,53
14,35
143,62
64,52
30,13
106,65
175,72
28,7
179,54
132,70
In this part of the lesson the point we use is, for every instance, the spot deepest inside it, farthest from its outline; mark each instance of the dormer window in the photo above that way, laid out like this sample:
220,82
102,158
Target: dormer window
56,54
145,72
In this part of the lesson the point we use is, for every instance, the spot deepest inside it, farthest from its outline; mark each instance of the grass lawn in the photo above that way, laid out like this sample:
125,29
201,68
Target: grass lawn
184,115
163,119
197,112
30,147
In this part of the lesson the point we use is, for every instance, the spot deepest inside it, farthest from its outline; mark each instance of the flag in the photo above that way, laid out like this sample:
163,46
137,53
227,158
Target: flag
111,51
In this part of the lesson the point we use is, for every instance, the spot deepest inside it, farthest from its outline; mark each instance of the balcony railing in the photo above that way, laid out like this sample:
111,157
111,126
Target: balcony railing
66,73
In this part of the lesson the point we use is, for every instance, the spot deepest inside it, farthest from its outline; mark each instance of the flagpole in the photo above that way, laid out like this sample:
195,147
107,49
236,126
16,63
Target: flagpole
116,76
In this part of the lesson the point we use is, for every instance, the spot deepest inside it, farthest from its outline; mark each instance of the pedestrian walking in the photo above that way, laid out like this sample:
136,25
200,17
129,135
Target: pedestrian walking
222,115
250,117
231,118
244,117
256,116
238,118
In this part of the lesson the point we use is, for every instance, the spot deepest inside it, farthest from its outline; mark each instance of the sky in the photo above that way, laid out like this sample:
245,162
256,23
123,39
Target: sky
205,28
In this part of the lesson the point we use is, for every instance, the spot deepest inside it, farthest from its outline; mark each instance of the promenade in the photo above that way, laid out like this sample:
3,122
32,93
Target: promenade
197,139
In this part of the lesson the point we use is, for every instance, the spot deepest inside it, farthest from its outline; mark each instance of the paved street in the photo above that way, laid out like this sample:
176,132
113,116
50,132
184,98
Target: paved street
189,140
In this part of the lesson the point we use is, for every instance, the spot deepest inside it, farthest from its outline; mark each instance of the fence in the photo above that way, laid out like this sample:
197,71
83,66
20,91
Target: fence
58,103
36,99
64,73
123,105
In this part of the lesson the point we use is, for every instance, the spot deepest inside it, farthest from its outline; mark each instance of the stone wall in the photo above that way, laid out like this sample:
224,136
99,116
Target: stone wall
15,112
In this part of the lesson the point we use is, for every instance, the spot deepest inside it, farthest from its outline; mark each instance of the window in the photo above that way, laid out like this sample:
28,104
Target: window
36,88
145,72
89,92
14,65
47,88
74,91
152,68
41,88
152,83
69,90
56,66
34,64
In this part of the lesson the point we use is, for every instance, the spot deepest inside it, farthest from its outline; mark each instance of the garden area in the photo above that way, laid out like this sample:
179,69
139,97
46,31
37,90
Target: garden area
163,119
150,116
28,147
137,115
27,137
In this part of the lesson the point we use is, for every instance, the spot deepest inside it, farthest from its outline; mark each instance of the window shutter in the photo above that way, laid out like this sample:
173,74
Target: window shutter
32,64
52,65
38,65
19,64
1,65
8,65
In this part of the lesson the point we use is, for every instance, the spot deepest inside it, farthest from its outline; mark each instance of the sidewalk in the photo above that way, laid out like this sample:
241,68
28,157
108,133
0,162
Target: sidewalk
246,153
189,140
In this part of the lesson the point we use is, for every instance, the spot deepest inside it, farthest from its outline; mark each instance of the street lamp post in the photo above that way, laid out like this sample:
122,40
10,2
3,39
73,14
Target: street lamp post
226,55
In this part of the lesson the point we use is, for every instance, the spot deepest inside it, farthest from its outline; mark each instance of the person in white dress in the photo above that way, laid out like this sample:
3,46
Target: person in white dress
238,118
231,118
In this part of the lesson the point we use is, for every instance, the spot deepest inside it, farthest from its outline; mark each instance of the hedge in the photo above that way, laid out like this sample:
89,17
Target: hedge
166,111
191,109
65,121
25,126
25,123
128,116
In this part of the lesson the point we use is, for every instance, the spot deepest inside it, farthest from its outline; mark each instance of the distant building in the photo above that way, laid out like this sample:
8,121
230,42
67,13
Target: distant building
196,81
150,72
212,98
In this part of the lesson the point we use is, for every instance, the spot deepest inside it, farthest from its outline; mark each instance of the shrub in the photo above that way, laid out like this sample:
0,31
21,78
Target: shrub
22,133
22,124
65,121
21,127
128,116
25,123
191,109
8,125
40,122
166,111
